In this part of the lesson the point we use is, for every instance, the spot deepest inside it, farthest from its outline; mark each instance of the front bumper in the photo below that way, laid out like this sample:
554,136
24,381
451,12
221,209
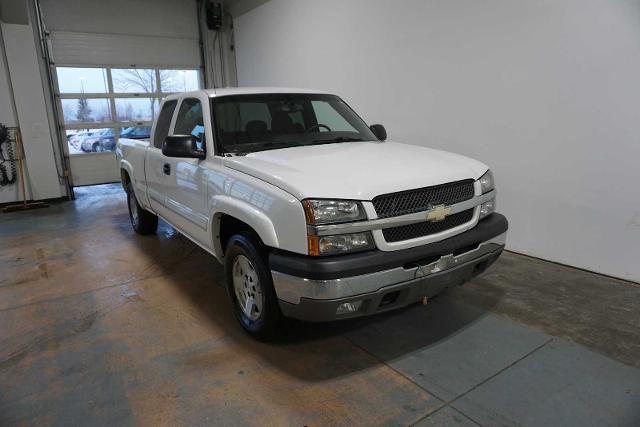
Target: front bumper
313,289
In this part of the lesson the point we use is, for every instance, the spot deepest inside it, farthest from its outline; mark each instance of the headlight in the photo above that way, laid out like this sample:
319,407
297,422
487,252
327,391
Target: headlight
487,208
340,243
332,211
486,182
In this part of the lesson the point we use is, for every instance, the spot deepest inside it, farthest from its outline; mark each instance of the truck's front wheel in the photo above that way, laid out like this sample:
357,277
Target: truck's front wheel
250,288
143,221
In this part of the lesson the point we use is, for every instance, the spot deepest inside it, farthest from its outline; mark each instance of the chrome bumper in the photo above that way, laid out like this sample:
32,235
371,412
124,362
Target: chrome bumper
293,289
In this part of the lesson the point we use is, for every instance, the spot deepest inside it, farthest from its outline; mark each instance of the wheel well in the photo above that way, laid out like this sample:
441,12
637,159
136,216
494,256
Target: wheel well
230,226
125,179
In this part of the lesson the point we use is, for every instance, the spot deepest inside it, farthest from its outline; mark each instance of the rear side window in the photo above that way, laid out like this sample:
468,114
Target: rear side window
164,121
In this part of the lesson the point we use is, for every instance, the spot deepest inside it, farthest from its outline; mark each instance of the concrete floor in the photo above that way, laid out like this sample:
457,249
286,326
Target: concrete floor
99,326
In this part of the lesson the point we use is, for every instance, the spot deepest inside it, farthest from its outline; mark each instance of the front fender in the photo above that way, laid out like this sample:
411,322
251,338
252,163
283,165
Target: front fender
244,212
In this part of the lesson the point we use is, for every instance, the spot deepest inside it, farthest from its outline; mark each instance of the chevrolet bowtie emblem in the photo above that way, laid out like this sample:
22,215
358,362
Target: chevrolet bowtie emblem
438,213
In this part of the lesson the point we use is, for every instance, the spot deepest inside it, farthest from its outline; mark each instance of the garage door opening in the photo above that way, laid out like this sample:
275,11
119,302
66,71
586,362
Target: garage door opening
100,105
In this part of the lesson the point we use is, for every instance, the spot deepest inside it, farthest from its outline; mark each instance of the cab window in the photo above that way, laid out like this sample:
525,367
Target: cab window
163,123
190,120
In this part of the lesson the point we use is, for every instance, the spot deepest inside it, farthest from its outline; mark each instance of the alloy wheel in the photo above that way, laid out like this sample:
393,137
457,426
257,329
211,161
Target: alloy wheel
247,287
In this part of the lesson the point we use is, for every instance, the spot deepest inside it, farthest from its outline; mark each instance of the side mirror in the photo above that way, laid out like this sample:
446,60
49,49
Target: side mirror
182,146
379,131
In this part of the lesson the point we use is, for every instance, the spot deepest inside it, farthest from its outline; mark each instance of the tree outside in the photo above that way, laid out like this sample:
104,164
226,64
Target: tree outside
144,81
83,114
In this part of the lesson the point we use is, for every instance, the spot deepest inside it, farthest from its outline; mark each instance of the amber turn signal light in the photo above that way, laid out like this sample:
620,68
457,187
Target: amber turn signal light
314,245
308,212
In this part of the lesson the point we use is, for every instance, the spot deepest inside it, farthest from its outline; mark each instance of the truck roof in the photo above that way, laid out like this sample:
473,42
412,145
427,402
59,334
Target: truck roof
245,91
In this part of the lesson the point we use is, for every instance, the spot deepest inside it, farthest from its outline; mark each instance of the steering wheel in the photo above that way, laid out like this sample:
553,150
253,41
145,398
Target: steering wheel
318,126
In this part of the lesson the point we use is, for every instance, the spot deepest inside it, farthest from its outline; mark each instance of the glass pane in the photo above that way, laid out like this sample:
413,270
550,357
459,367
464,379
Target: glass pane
90,140
136,109
136,132
86,110
82,80
179,80
134,80
298,119
190,120
328,116
163,122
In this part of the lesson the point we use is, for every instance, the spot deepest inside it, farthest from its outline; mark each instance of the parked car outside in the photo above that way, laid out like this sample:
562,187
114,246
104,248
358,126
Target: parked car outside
105,141
78,138
136,132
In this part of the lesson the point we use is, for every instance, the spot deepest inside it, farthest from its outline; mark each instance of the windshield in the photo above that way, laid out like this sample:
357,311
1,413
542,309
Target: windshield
248,123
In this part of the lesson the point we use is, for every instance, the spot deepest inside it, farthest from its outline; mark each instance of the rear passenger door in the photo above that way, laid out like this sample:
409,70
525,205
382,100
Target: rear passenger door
186,179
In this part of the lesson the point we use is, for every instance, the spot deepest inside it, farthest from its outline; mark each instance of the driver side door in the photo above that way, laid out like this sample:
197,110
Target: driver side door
186,179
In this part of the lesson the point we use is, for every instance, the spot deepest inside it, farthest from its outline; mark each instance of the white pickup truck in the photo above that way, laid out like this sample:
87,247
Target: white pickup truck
313,214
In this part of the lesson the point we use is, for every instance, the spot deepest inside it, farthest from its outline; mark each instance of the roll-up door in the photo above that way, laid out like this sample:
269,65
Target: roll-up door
112,62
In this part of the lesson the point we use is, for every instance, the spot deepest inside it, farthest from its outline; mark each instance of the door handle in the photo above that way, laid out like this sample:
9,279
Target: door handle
166,169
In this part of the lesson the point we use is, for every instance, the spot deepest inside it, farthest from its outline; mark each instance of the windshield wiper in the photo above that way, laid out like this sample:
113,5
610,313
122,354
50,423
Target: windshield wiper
335,140
272,144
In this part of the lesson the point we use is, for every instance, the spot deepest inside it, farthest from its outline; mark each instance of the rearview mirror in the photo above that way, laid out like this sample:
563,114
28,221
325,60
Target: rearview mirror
379,131
182,146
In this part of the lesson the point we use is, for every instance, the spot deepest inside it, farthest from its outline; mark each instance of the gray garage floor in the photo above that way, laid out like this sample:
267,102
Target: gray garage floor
99,326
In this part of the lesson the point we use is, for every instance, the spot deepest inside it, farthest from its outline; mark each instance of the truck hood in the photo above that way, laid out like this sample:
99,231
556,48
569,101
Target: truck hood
355,170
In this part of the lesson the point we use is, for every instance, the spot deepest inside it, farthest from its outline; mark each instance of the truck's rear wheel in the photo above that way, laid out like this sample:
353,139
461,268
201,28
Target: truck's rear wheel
143,221
250,288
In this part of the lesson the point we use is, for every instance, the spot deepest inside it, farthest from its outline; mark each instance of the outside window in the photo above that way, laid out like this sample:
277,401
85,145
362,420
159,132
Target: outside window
115,102
82,80
136,109
83,110
179,80
90,140
134,80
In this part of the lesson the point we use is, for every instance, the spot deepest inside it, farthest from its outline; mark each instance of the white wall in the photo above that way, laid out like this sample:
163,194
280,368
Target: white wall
546,92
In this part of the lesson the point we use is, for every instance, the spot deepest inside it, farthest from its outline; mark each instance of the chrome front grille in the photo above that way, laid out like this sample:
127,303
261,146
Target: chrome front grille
421,229
422,199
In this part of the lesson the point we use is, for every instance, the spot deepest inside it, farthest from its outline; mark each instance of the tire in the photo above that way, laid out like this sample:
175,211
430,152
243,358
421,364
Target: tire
143,221
247,275
96,147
